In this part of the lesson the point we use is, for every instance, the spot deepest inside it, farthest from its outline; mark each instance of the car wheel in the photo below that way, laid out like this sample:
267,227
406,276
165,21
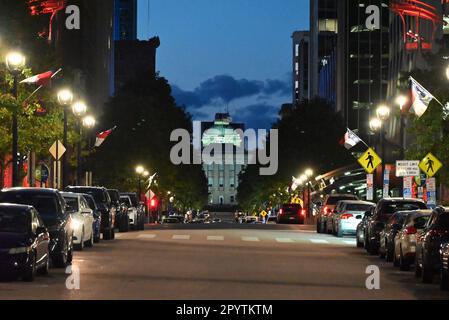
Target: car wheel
142,224
444,284
90,243
426,274
359,243
107,234
372,249
389,253
403,265
44,270
113,234
97,238
80,246
124,226
339,233
30,273
61,260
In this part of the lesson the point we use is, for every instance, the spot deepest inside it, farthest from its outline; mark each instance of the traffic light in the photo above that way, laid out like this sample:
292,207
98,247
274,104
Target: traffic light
153,203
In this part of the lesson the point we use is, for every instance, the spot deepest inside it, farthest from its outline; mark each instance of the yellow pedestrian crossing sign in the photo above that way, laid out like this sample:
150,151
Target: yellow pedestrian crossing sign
430,165
370,160
297,200
263,213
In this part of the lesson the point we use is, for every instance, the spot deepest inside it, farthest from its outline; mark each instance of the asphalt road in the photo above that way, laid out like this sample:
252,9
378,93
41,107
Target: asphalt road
225,261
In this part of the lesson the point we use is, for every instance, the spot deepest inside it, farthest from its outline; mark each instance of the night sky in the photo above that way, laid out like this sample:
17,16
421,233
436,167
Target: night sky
220,54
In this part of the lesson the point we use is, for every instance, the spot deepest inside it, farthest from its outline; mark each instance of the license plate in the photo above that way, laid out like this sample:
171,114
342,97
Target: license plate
292,218
412,249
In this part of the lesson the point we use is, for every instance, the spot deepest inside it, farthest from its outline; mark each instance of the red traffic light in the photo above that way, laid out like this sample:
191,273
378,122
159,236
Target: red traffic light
153,203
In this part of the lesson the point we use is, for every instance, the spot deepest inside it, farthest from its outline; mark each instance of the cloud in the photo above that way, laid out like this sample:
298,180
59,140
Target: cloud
257,116
225,88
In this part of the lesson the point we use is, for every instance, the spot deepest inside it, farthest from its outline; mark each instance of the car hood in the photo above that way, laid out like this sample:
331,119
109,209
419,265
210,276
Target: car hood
12,240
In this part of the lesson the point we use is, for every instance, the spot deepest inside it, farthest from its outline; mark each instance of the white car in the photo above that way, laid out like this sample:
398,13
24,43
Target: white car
133,214
82,220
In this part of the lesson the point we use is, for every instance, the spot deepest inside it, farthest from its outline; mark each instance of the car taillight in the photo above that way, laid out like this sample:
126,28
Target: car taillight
345,216
281,211
437,232
326,210
410,230
303,212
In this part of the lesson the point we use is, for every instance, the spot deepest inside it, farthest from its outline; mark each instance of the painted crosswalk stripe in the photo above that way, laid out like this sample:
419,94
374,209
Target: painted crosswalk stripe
284,240
351,242
181,237
147,236
250,239
215,238
319,241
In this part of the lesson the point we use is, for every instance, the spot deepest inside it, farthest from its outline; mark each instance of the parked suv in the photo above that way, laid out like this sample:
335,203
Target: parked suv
428,244
140,218
104,203
384,210
328,206
51,207
291,213
121,216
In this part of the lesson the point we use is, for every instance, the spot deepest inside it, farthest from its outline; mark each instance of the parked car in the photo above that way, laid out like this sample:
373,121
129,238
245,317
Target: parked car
52,209
24,242
134,219
428,244
392,227
444,254
104,203
291,213
140,210
347,216
122,222
405,240
82,220
97,217
272,220
384,210
251,219
328,206
170,220
360,231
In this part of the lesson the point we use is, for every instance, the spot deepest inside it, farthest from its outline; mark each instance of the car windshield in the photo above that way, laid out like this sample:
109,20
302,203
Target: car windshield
72,203
114,196
91,203
14,222
334,200
390,208
45,204
97,194
358,207
292,209
126,201
420,222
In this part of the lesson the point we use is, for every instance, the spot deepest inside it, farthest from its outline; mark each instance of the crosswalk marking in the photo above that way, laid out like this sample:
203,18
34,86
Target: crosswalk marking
351,242
147,236
319,241
284,240
215,238
250,239
181,237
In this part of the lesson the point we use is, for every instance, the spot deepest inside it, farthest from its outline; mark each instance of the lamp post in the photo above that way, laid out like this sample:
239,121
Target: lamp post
401,101
309,174
15,62
88,122
79,109
140,171
383,113
65,98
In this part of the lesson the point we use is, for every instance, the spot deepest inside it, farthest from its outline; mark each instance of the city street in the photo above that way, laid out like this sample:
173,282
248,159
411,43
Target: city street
218,261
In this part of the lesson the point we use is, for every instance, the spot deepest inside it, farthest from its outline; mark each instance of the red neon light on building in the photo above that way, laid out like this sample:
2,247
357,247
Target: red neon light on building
413,39
51,7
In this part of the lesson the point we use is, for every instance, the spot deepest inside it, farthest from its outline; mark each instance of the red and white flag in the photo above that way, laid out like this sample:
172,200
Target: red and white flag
350,140
103,136
421,98
40,79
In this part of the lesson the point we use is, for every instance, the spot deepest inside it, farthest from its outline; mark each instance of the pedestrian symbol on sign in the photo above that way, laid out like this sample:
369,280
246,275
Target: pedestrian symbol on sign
430,165
370,160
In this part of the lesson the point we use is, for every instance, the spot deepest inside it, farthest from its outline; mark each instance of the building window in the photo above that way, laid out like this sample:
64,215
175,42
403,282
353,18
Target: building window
297,50
232,199
221,200
211,182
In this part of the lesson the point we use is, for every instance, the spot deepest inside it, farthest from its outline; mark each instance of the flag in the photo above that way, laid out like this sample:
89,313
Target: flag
41,79
421,98
350,140
103,136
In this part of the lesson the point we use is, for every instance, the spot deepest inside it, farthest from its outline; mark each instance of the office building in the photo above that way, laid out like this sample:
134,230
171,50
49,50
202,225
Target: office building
300,85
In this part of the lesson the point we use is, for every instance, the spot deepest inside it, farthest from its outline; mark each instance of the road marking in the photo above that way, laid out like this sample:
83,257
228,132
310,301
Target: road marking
284,240
215,238
250,239
351,242
181,237
307,231
319,241
119,235
147,236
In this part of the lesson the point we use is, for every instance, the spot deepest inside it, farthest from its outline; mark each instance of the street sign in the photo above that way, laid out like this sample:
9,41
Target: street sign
431,192
370,160
263,213
57,150
430,165
408,185
407,168
369,187
42,173
386,189
296,200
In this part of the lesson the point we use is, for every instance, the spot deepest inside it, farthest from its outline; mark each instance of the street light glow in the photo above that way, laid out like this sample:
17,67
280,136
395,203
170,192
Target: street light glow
375,124
89,122
15,62
309,173
146,174
65,97
401,101
383,112
79,108
140,170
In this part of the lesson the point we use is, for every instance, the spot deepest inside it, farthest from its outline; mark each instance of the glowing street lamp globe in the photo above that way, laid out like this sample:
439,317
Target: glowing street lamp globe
140,170
383,112
79,109
65,97
309,173
15,62
89,122
375,124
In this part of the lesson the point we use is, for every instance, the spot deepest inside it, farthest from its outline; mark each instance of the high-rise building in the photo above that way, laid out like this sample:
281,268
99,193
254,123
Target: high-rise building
125,15
301,43
222,176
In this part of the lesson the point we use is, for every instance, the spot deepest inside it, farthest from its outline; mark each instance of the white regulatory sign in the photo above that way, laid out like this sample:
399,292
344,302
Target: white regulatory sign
407,168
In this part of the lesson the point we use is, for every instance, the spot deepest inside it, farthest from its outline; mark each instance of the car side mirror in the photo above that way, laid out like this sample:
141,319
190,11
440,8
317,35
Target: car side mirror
41,230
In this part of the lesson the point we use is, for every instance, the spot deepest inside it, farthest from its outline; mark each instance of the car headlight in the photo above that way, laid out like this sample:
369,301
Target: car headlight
76,224
20,250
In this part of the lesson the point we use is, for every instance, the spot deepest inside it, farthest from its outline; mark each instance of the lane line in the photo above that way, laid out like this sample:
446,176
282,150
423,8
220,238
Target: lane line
215,238
250,239
319,241
147,236
284,240
181,237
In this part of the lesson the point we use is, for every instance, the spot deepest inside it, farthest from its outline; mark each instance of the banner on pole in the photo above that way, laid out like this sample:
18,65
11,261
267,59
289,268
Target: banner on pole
370,187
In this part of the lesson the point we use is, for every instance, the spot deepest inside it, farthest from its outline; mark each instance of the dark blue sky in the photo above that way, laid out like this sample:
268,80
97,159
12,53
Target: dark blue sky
219,53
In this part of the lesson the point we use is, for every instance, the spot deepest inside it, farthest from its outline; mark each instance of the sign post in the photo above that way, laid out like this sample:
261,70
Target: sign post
386,189
408,185
57,150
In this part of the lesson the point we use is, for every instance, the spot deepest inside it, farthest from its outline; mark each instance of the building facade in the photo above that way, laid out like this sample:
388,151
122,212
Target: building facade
300,66
125,16
222,175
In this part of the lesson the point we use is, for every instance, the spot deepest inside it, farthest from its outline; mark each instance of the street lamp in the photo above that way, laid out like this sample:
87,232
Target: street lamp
89,122
15,62
140,170
375,124
65,98
402,101
79,109
309,174
383,113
